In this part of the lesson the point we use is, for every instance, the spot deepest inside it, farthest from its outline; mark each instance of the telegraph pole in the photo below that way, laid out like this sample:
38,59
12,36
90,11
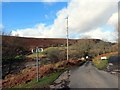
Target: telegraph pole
67,31
68,71
67,37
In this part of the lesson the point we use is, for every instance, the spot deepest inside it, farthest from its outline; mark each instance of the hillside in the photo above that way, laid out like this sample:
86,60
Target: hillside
16,49
41,42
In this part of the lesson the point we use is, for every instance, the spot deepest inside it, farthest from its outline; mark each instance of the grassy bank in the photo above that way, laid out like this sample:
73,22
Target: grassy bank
43,82
100,64
49,73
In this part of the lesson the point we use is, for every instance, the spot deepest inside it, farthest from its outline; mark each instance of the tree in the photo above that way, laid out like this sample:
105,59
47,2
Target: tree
12,50
89,47
83,46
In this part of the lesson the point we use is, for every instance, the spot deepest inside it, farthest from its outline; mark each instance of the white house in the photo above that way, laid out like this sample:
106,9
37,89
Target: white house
103,58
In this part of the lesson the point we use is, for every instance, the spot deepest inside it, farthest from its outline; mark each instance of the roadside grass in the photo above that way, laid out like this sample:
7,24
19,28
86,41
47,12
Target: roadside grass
43,82
100,64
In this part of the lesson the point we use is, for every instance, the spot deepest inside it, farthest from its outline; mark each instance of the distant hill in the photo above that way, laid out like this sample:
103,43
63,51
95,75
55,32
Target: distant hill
41,42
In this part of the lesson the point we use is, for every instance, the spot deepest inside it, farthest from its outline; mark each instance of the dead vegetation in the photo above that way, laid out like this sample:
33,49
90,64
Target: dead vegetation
28,74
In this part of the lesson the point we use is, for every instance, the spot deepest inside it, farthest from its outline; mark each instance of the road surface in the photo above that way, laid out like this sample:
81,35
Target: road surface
87,76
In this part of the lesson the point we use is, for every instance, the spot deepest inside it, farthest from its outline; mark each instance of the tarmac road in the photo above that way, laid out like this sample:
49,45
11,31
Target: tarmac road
87,76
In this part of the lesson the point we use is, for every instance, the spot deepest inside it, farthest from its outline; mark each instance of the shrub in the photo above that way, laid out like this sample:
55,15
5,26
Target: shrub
55,54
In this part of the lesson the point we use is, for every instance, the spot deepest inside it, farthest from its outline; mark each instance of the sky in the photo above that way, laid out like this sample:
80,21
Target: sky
18,15
47,19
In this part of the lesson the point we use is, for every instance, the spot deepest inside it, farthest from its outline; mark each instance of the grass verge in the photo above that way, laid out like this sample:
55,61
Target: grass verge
43,82
100,64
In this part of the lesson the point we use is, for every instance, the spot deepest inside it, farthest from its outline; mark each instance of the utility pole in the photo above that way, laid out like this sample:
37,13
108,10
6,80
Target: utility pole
67,30
68,71
67,37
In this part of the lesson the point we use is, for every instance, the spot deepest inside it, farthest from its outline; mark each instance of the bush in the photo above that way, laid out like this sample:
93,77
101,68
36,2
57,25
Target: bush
55,54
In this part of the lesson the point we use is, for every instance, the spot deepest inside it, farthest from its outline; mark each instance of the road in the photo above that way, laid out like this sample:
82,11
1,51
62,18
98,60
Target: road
87,76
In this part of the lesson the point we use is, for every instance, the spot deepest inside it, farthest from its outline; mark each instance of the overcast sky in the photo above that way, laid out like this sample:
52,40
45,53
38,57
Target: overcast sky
46,19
